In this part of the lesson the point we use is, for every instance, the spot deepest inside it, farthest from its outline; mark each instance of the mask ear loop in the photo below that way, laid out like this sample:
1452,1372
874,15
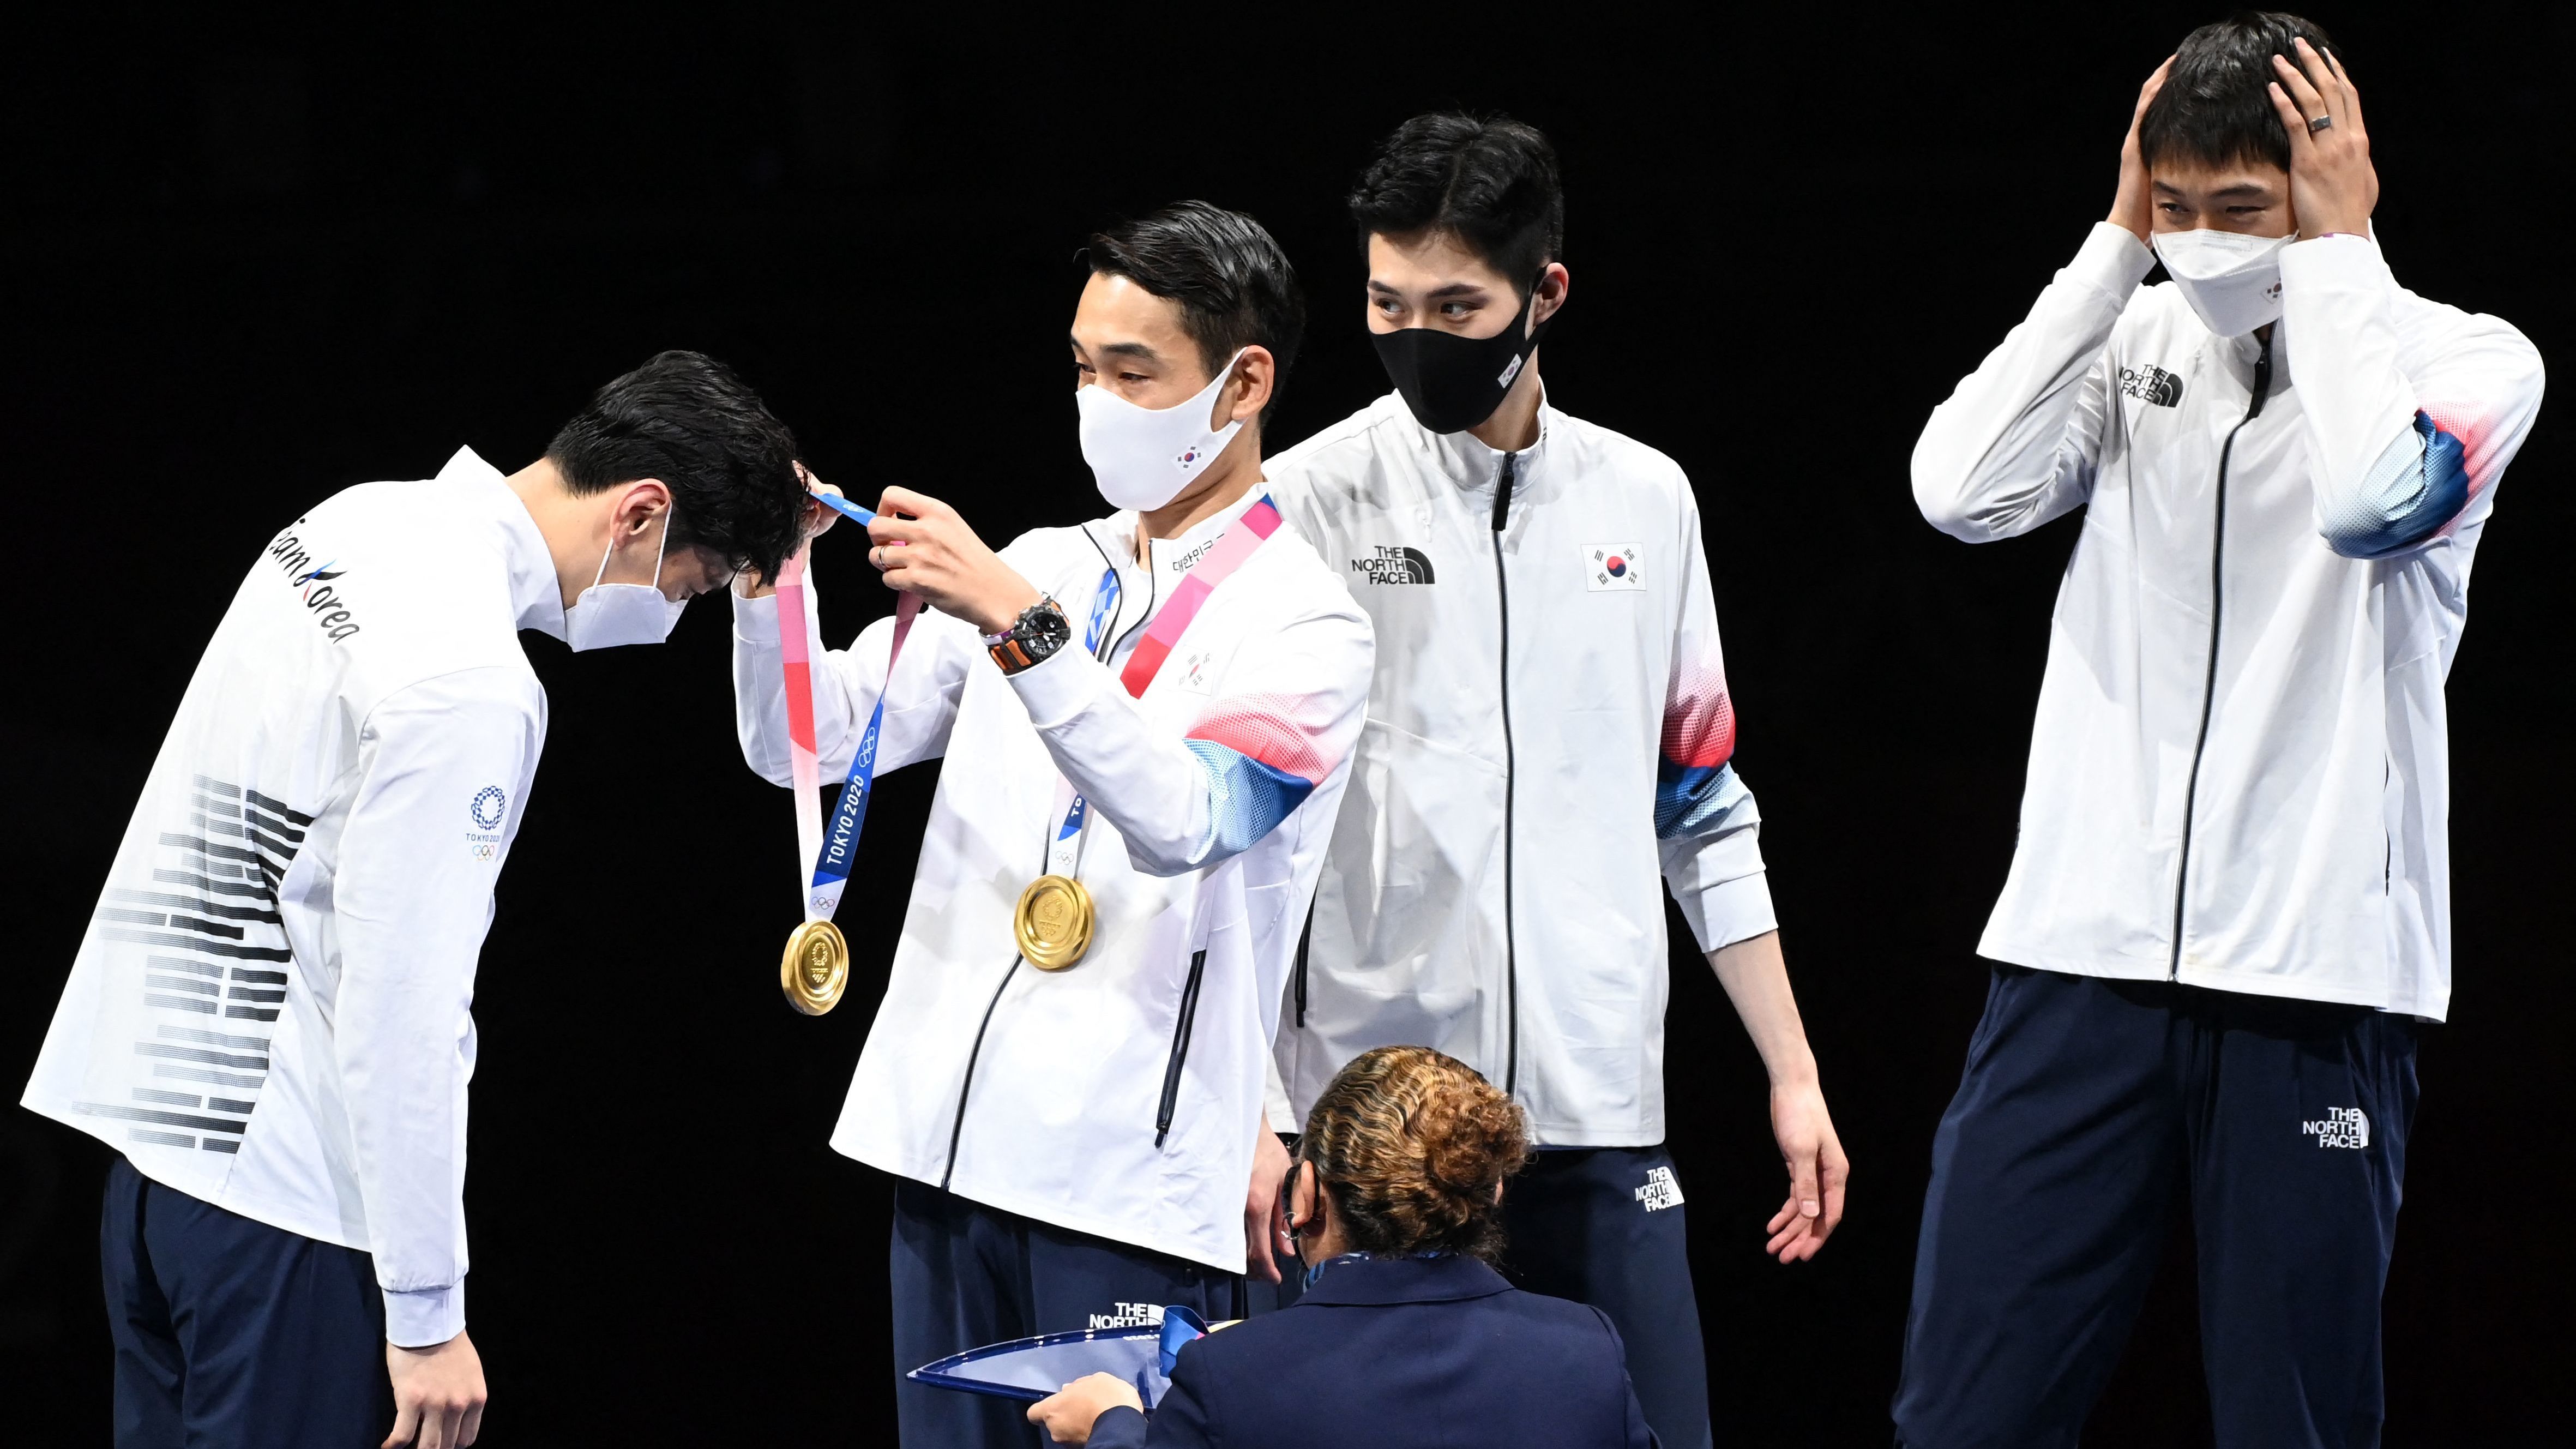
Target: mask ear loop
660,547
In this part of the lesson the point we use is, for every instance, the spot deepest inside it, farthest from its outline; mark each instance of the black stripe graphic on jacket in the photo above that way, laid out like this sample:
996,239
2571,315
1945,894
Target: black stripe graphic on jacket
238,846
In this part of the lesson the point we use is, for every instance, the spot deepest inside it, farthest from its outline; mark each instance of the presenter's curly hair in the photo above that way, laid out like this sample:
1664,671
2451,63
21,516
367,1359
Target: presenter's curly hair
685,419
2215,107
1491,182
1411,1145
1233,283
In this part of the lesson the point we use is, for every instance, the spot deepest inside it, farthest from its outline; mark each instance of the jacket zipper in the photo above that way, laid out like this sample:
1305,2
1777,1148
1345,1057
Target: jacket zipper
1511,957
1305,939
957,1127
2209,684
1180,1047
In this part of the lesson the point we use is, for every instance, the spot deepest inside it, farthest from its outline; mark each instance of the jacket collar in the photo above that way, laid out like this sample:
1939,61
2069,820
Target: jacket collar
1464,458
536,599
1377,1281
1116,534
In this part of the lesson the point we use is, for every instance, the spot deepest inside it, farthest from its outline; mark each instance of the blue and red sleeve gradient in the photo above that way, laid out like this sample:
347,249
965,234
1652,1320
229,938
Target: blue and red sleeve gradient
2415,491
1260,764
1699,740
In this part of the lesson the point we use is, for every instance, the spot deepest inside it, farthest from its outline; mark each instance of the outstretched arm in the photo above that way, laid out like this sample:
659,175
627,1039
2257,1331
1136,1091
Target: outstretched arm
1291,712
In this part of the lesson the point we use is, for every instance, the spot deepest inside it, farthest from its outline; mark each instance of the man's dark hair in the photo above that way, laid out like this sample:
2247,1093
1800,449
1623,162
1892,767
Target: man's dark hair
1234,284
1491,183
2215,107
684,418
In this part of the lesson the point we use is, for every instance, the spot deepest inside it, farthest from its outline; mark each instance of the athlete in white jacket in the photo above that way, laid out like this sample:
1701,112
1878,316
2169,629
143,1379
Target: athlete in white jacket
1549,730
1080,1147
269,1015
2232,880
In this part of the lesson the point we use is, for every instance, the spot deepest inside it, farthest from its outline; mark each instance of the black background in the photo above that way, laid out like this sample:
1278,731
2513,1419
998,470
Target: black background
249,263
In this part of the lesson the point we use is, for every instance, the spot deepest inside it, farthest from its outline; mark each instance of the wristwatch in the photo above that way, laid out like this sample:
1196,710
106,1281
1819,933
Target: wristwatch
1040,630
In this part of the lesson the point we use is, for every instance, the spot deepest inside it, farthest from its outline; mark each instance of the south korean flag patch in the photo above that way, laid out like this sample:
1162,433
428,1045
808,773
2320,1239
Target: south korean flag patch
1610,567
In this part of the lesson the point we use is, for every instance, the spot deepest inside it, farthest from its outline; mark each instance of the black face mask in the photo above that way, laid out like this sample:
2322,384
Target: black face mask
1452,383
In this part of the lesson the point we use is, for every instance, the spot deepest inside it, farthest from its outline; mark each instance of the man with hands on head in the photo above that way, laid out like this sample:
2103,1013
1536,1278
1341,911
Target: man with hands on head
270,1016
1160,705
2227,916
1549,733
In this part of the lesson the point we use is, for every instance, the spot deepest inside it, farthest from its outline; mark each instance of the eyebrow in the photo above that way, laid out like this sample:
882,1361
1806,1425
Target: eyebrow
2241,188
1454,289
1136,350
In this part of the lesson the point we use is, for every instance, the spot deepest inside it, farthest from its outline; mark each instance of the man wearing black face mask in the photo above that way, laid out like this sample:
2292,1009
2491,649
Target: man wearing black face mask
1548,727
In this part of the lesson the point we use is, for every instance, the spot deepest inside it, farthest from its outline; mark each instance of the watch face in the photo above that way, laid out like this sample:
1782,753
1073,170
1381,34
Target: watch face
1045,627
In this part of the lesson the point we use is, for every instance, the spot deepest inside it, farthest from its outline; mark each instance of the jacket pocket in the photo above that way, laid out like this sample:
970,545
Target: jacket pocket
1180,1047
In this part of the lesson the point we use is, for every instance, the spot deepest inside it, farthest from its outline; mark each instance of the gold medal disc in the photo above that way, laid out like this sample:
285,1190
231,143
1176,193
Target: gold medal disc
1053,922
815,968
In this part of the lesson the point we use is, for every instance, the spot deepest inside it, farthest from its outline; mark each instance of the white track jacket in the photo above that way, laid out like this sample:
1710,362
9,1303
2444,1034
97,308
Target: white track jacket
1044,1093
2239,770
1549,725
271,1009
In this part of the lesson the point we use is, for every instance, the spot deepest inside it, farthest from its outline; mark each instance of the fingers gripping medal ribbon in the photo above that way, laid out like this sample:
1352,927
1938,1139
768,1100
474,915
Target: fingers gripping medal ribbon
1053,922
815,969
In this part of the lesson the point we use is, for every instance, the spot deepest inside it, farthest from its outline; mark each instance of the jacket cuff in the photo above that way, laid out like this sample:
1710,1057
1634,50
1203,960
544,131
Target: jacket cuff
1118,1427
426,1318
2112,259
2340,263
755,621
1729,911
1058,687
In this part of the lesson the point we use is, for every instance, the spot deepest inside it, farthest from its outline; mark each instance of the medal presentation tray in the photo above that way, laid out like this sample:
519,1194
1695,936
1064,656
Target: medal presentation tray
1030,1369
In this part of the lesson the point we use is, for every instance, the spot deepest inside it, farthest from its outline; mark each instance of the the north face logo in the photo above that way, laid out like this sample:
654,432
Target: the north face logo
2342,1127
1660,1190
2150,383
1394,563
1129,1315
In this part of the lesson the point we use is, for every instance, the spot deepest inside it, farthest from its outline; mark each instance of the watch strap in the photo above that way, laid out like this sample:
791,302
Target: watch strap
1035,636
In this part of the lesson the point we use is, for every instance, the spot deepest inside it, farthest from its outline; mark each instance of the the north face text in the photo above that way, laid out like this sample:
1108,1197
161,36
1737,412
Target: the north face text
1394,564
1660,1191
2343,1127
2150,383
1129,1315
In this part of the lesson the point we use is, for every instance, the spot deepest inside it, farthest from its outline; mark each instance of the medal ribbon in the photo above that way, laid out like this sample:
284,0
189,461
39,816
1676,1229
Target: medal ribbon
831,854
1223,557
1228,553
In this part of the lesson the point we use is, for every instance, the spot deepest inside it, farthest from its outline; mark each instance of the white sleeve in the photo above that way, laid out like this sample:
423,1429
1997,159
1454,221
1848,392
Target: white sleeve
411,899
2017,442
2403,445
920,708
1707,828
1293,702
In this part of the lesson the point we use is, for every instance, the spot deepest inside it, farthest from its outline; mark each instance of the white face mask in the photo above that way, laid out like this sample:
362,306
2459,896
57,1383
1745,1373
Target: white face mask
2232,280
607,616
1143,457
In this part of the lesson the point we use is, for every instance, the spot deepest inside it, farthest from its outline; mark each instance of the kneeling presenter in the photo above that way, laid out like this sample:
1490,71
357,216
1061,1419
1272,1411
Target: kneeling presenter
1154,712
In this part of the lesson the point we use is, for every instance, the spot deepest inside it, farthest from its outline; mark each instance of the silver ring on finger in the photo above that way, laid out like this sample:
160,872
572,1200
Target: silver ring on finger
2319,124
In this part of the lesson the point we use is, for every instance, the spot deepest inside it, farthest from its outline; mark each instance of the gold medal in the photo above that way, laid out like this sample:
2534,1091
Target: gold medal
815,968
1053,922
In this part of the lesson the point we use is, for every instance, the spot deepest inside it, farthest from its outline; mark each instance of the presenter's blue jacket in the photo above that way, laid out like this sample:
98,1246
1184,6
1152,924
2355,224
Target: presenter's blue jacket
1418,1352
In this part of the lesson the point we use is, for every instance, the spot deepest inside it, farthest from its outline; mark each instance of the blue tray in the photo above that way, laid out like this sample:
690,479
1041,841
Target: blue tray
1030,1369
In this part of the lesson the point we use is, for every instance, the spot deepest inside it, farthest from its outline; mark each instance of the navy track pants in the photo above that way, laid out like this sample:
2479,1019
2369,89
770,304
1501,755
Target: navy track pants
965,1275
231,1334
2088,1109
1604,1226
